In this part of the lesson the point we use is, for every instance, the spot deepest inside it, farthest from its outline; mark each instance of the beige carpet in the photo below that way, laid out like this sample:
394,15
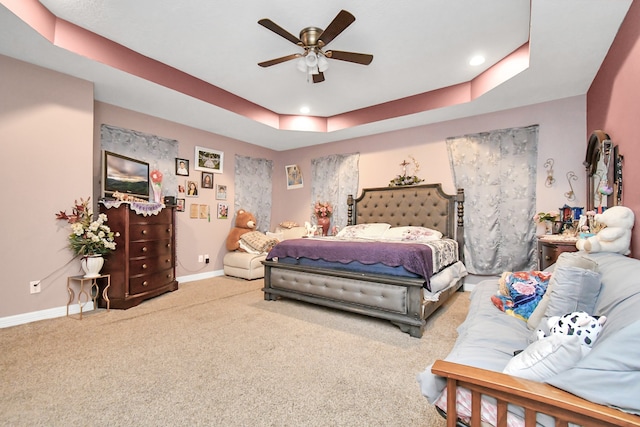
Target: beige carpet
214,353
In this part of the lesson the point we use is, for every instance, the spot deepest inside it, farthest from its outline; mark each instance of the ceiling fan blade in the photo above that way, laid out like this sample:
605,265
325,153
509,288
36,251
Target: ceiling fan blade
270,25
342,20
279,60
318,78
358,58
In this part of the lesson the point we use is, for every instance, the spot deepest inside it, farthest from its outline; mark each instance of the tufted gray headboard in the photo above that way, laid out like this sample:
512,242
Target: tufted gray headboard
418,205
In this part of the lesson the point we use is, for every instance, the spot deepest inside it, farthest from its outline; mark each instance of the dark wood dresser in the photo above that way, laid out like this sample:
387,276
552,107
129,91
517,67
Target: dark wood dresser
551,246
143,264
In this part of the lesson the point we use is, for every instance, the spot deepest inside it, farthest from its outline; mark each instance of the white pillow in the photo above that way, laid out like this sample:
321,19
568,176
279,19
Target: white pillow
547,357
364,231
412,234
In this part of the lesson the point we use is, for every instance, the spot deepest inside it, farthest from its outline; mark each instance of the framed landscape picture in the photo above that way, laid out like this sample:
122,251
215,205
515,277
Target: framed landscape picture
208,160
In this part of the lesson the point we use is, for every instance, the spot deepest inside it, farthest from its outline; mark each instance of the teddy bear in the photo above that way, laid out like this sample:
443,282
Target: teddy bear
245,223
578,323
616,234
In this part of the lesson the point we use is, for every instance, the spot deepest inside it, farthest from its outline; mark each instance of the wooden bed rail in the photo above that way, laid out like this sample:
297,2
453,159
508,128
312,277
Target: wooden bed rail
533,396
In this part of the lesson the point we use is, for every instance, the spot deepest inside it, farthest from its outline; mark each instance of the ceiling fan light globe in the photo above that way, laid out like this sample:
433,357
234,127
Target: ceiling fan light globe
302,65
323,64
311,59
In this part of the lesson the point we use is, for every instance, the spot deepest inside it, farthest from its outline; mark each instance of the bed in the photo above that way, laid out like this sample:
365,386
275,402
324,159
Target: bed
404,295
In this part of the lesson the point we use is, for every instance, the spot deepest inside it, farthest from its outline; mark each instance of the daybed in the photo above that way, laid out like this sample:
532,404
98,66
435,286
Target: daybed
406,296
601,388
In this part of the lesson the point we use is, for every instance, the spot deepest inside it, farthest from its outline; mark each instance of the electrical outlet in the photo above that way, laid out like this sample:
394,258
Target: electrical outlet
206,258
200,258
34,286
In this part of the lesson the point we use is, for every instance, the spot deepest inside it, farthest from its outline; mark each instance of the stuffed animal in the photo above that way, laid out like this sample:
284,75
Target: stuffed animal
310,229
579,323
245,223
615,237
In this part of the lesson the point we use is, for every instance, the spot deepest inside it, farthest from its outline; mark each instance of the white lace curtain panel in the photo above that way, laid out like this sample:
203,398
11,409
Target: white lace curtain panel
253,188
497,170
333,178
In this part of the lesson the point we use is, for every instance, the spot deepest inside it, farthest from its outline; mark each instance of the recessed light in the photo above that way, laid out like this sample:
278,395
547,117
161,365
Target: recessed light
477,60
305,110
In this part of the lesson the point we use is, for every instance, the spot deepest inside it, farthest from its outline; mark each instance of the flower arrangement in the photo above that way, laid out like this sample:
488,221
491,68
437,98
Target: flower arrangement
156,185
406,179
88,236
323,210
546,216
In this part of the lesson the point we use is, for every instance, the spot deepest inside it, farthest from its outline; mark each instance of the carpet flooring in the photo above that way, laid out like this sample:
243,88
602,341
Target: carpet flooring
214,353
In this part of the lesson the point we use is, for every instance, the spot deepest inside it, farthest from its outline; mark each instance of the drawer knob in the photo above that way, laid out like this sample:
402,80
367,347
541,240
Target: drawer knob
168,276
144,266
547,258
144,231
168,230
167,260
145,283
168,245
144,249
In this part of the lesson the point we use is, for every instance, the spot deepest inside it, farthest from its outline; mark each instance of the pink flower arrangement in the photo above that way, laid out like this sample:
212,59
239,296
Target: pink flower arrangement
156,176
156,185
323,210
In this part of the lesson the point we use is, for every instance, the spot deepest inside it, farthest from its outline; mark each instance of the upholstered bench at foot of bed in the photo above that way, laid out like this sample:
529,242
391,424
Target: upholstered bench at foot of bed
244,265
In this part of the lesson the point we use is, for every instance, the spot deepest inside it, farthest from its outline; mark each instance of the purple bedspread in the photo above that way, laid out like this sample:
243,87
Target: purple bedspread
416,258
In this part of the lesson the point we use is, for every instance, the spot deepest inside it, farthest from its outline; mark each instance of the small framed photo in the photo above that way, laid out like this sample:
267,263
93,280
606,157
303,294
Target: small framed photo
294,177
192,189
208,160
181,189
223,210
182,167
204,211
193,210
180,205
221,192
207,180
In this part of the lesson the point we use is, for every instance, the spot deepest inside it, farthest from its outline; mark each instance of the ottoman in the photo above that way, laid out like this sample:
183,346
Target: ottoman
244,265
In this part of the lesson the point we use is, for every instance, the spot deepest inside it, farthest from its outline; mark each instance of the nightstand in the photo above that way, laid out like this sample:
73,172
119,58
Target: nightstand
551,246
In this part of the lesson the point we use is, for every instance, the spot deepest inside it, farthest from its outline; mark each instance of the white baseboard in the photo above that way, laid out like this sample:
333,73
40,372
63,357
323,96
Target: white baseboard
52,313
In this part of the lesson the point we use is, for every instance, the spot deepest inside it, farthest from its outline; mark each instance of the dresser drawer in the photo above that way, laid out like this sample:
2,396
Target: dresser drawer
150,232
549,252
149,282
148,265
164,217
150,248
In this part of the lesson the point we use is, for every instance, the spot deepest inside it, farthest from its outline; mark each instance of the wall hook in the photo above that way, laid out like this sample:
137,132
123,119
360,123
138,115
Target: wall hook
548,165
570,195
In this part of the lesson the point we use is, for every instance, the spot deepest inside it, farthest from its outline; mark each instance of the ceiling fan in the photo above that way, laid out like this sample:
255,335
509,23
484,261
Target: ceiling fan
313,39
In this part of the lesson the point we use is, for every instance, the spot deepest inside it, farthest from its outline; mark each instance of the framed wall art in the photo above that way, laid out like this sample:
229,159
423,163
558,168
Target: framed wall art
223,210
182,167
207,180
180,205
221,192
294,177
204,211
208,160
192,189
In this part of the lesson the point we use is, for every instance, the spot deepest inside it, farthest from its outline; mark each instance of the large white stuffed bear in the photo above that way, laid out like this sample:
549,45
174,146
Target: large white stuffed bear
615,237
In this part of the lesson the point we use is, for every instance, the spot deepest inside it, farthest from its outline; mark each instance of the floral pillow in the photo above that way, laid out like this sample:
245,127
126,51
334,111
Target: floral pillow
412,234
364,231
520,292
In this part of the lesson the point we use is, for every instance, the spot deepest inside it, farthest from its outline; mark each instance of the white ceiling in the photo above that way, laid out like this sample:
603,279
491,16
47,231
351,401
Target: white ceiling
418,46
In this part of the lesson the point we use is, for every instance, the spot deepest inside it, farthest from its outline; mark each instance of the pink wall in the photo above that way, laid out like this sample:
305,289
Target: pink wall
194,236
613,105
561,137
46,129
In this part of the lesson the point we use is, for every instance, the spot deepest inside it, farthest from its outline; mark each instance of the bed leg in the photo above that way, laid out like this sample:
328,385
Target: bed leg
414,331
270,297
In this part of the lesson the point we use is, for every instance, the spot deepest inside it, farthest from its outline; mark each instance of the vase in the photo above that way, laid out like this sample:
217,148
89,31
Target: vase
548,227
324,222
157,192
91,265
